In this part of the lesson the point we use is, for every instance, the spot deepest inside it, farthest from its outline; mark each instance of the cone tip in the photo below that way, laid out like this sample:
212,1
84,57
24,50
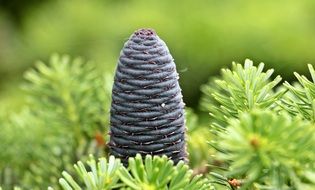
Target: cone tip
145,32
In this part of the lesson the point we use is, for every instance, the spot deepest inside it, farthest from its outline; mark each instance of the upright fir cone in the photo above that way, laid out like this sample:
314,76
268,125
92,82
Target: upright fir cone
147,111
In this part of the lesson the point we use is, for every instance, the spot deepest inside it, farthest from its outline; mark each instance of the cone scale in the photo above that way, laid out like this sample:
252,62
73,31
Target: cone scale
147,110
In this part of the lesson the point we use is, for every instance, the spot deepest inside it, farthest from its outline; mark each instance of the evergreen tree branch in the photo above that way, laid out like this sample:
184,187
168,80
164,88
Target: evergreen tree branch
268,150
102,175
300,100
239,90
152,173
66,117
155,173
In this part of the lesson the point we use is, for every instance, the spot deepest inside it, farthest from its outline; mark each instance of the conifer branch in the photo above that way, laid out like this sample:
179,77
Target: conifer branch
300,100
102,175
66,118
152,173
268,150
241,89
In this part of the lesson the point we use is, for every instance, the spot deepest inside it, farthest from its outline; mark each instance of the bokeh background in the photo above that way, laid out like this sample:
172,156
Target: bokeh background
203,36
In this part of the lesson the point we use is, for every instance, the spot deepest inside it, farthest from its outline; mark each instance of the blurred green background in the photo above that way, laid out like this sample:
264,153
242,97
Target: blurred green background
202,35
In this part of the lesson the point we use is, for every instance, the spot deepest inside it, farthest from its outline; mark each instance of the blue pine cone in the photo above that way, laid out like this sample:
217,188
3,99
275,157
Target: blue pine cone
147,111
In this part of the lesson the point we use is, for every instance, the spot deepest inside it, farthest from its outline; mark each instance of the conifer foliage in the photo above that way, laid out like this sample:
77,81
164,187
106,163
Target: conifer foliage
238,90
267,150
258,144
147,112
67,107
300,100
148,173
